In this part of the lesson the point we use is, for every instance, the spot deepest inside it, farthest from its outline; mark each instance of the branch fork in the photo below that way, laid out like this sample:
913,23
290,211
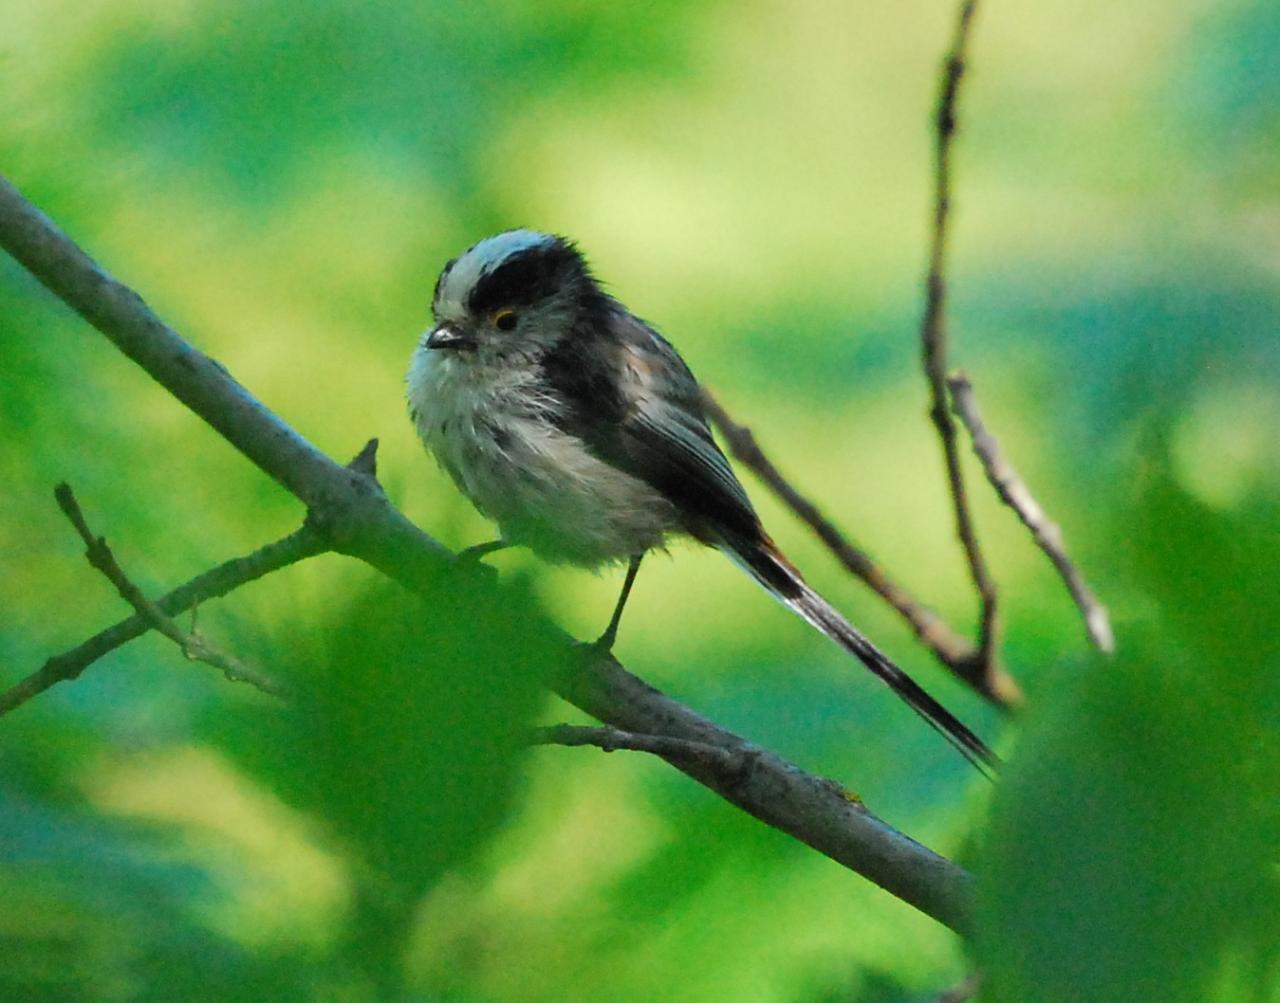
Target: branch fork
192,645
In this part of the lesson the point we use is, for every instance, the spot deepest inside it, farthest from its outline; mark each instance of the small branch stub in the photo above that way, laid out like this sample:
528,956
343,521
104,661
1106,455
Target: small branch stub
366,461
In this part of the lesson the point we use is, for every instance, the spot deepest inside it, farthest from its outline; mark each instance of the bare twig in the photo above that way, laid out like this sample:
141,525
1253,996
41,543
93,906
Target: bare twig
1013,491
304,542
193,646
674,750
334,494
933,337
297,546
359,520
952,650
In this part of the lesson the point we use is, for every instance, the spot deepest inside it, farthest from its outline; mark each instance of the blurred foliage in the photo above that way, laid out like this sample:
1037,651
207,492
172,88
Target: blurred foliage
1156,786
282,183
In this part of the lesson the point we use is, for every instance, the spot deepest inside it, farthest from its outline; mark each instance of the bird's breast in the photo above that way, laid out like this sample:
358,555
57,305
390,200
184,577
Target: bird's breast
500,436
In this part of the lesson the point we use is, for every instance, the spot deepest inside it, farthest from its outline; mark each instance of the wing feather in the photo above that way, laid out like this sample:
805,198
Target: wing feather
630,397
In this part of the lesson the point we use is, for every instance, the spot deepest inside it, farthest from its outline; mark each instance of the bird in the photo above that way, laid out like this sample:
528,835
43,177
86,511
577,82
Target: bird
578,429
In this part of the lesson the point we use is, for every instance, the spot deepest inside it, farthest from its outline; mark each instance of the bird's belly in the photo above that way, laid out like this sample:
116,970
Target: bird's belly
542,486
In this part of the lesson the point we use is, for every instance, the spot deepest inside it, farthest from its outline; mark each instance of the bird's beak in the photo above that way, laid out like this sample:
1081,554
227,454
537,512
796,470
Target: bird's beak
445,336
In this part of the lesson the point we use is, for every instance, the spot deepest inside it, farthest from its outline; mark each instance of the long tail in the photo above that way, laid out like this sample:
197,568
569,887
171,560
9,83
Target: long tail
766,564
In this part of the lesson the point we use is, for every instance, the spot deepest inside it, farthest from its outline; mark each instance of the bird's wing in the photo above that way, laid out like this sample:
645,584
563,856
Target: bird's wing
654,428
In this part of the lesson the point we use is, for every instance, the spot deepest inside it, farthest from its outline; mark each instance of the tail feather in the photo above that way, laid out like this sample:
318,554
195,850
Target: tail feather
767,565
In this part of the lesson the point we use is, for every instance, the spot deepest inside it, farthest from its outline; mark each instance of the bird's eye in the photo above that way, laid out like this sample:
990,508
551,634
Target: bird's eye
505,320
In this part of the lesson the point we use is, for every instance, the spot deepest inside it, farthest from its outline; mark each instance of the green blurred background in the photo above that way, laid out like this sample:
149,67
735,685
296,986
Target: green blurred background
282,182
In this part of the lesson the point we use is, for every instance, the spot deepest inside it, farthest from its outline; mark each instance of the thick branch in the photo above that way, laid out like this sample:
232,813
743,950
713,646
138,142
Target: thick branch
1013,491
933,336
349,507
814,810
952,650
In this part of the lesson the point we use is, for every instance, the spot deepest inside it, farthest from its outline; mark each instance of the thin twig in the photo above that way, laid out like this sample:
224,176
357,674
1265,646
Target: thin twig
1013,491
674,750
304,542
952,650
193,646
297,546
933,336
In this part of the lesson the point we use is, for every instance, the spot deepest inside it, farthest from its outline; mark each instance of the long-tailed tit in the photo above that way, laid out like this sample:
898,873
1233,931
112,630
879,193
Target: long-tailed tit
577,428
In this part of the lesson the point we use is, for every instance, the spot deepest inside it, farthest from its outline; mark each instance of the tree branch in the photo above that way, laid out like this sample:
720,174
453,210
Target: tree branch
952,650
342,500
816,811
933,337
348,507
1014,492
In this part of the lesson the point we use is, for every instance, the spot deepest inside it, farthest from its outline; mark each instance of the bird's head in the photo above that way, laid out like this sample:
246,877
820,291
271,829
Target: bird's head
511,296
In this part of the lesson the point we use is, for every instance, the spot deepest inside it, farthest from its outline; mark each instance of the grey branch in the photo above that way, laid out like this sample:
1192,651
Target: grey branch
192,645
952,650
933,337
349,508
1013,491
814,810
297,546
725,762
674,750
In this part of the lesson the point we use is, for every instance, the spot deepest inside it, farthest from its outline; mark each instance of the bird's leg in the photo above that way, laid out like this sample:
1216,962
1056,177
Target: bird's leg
604,643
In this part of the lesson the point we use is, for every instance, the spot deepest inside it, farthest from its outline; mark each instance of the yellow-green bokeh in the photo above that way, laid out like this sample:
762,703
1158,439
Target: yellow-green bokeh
282,183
